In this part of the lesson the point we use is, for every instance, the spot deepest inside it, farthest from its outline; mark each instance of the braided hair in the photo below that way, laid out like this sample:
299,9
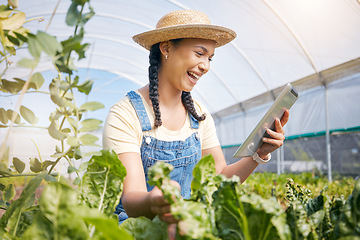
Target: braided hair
187,101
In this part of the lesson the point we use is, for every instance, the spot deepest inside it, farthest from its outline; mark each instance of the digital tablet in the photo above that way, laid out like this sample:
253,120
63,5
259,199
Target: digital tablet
284,101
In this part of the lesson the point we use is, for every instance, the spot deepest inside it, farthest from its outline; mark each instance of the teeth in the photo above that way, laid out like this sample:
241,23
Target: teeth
194,75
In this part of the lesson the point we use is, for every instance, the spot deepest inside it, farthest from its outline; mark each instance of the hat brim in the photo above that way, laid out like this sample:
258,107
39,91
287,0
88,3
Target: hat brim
221,35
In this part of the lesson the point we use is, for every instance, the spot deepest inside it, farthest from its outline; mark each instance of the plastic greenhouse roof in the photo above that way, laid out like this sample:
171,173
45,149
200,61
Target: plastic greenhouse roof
278,41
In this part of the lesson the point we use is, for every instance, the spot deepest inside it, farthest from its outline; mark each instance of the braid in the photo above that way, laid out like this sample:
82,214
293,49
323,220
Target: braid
154,60
189,106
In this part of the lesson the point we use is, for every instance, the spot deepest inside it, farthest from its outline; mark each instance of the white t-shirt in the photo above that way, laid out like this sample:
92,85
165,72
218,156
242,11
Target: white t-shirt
123,132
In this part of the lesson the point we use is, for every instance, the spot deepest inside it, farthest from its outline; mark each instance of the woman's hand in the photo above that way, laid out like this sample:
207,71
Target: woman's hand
276,138
161,207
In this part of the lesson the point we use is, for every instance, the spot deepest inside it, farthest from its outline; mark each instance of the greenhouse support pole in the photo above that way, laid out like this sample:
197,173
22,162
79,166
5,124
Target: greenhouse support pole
328,149
282,159
278,162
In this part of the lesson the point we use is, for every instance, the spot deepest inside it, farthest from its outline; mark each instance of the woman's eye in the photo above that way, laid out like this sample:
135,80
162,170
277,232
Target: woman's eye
199,53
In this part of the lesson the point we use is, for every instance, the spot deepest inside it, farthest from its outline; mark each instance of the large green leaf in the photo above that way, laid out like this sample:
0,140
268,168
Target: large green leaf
48,43
13,40
55,133
22,83
56,97
10,114
73,43
87,16
35,165
247,216
205,180
86,86
90,124
3,116
349,221
21,34
60,216
73,14
107,228
34,47
28,115
28,63
10,220
89,139
91,106
102,182
73,141
142,228
13,22
5,11
11,86
38,80
18,164
9,193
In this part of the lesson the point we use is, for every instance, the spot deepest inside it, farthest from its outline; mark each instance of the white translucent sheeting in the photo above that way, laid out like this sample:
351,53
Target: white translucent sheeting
306,116
278,41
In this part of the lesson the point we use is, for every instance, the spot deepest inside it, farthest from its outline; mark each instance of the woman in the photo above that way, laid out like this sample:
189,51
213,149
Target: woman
161,122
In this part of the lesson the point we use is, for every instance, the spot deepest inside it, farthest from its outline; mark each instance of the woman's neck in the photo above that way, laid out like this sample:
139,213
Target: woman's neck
173,113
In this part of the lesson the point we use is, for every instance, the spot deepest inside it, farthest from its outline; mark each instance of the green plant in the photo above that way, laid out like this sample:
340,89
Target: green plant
67,122
79,210
222,208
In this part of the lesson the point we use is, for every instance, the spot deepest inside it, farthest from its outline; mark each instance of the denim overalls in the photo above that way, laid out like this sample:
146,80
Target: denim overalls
183,155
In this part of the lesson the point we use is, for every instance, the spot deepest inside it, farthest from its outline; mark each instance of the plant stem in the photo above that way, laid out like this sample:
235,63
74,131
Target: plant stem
92,231
37,148
15,94
23,126
20,175
35,18
58,159
71,164
76,27
104,190
18,103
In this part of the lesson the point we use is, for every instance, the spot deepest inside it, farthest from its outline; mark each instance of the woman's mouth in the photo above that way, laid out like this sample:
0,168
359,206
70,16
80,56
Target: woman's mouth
193,77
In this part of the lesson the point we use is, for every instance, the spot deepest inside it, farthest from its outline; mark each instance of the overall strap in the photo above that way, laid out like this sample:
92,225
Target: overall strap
139,107
193,122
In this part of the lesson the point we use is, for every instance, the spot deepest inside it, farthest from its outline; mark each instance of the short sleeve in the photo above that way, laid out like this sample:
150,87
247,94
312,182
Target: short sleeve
122,129
207,128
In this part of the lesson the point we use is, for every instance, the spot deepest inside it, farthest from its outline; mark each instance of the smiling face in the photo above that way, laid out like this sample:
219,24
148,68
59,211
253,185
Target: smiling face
187,61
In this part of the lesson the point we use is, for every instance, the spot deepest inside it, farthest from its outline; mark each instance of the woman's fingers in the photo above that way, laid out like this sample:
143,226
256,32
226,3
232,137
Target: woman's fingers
160,206
168,218
285,117
278,134
275,137
172,231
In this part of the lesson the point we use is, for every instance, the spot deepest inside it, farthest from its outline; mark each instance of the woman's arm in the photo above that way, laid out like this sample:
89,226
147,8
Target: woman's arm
135,198
245,166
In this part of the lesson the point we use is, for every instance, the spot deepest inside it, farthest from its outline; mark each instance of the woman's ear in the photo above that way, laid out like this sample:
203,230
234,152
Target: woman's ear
165,48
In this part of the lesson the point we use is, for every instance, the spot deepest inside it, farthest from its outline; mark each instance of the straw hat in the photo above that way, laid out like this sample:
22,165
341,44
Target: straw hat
185,24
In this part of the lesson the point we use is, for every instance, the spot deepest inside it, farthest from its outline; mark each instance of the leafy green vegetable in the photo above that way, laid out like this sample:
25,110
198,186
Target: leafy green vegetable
102,182
195,222
143,228
11,219
247,216
205,180
60,217
107,228
348,226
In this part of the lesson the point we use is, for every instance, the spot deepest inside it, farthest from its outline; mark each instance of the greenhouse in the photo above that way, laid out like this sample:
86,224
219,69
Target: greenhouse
65,63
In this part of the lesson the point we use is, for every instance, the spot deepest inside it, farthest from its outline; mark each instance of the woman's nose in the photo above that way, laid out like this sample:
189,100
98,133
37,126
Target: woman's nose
204,67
